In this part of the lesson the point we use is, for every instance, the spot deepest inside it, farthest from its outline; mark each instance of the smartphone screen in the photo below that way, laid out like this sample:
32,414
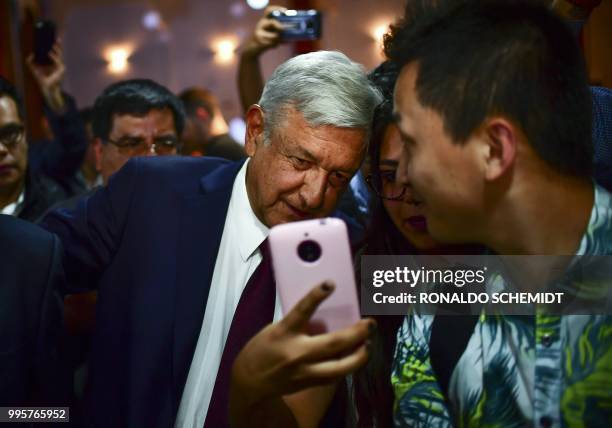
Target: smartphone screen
307,253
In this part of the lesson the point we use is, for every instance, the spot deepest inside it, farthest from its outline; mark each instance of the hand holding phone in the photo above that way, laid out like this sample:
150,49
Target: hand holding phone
298,24
283,359
44,39
47,65
306,253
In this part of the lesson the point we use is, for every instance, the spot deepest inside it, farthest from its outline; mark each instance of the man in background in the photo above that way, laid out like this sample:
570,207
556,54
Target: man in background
206,131
26,191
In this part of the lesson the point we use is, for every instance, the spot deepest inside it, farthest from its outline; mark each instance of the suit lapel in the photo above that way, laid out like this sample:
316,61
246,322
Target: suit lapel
202,219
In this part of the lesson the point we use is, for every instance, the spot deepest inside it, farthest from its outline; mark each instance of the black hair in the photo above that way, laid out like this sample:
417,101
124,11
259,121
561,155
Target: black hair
195,97
371,387
86,115
9,90
511,58
134,97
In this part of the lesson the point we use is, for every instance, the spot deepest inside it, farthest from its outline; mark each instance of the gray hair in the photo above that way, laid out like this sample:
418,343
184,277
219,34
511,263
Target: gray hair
326,87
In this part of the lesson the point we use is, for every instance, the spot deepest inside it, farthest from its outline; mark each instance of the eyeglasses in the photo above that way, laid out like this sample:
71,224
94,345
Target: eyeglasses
385,186
162,146
11,135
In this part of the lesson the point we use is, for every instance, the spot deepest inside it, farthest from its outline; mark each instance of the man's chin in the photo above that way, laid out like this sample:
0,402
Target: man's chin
9,180
444,235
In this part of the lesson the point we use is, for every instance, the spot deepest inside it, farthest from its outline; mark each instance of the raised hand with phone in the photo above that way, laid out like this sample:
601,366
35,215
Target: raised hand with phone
276,25
49,77
283,358
320,339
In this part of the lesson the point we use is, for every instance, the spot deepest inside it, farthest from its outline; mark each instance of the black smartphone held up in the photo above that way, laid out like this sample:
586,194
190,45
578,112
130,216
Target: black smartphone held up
299,24
44,39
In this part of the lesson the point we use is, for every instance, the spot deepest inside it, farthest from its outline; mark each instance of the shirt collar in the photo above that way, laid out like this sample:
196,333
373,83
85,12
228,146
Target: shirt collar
596,240
14,208
251,231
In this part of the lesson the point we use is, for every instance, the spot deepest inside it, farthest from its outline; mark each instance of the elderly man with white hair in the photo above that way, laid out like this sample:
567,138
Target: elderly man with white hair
178,248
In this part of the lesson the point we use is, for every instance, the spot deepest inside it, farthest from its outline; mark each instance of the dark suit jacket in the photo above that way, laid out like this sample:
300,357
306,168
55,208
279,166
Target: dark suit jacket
149,240
30,317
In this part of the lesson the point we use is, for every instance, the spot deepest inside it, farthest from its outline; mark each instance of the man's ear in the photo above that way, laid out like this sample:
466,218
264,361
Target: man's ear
97,149
501,145
254,129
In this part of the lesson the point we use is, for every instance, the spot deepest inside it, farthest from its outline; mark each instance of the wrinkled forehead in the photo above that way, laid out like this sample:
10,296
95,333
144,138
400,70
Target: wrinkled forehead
331,146
152,123
8,111
405,100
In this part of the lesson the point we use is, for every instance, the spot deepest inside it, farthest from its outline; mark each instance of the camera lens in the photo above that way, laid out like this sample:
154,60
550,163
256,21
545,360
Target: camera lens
309,251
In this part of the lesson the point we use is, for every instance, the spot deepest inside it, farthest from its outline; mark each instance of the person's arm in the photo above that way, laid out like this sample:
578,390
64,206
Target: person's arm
51,377
284,377
91,233
61,157
49,79
264,37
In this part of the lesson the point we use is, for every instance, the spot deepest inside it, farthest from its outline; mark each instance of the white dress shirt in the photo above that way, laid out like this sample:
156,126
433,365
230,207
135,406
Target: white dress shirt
14,208
237,259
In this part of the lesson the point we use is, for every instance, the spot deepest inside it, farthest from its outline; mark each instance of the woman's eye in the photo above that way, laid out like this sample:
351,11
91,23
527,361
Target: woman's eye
388,176
338,180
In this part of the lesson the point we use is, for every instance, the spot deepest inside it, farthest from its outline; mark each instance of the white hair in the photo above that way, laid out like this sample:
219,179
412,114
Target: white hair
326,87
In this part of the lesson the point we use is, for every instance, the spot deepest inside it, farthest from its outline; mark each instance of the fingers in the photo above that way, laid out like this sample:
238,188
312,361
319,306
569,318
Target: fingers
268,32
34,68
340,342
30,61
329,370
272,8
297,318
272,26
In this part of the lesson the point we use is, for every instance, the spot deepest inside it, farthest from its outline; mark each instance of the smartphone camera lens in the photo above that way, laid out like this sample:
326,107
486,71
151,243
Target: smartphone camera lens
309,251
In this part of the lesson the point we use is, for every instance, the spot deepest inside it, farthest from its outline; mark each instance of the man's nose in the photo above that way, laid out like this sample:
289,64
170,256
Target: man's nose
314,188
3,150
147,148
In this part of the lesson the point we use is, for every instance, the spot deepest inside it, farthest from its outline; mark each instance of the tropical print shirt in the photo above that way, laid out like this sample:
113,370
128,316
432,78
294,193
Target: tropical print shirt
516,371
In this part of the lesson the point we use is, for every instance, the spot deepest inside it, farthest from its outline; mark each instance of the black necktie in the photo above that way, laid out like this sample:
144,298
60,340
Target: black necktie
255,310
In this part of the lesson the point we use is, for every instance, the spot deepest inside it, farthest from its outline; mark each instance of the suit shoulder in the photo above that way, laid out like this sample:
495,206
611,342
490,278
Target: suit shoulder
178,166
18,233
25,244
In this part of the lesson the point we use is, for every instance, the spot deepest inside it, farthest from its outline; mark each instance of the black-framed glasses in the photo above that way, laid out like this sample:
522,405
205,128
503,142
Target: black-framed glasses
386,186
162,146
11,135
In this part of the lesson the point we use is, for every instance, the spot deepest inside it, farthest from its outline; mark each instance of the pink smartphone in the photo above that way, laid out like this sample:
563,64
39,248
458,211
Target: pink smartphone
307,253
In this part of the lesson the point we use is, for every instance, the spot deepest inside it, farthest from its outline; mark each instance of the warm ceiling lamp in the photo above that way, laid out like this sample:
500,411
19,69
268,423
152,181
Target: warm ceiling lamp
257,4
117,58
379,31
225,50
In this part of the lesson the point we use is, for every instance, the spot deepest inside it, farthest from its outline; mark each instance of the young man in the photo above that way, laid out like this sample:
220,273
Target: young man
493,105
